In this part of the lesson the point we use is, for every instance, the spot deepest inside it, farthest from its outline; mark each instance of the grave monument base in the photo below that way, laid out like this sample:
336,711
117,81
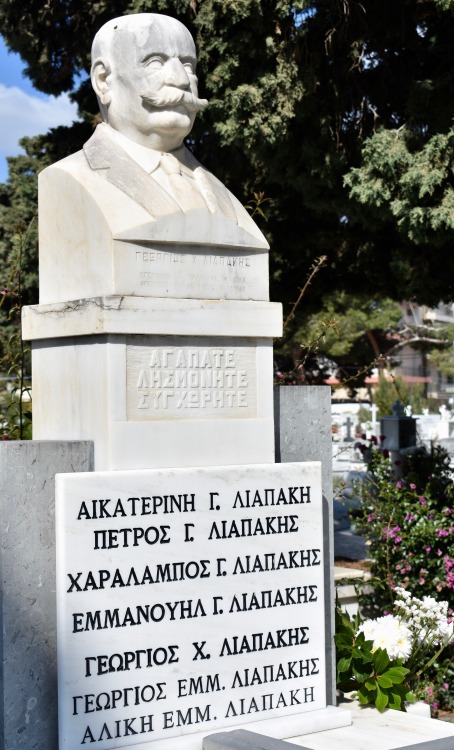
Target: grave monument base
29,696
155,382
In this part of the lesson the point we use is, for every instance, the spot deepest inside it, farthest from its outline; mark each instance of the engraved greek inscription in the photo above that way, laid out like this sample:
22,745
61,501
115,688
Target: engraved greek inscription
191,271
227,260
154,358
182,380
153,256
169,380
154,379
161,400
182,400
168,257
148,278
160,358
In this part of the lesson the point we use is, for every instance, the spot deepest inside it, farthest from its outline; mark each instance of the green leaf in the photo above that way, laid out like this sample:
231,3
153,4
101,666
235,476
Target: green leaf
343,619
397,674
371,684
381,701
361,676
401,693
384,681
395,701
363,656
344,664
365,696
343,641
381,660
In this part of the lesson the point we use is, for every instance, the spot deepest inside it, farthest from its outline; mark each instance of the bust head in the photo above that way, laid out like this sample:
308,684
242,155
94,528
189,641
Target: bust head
143,73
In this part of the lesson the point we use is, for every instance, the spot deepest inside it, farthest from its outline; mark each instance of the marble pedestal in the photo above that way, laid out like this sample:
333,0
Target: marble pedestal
156,382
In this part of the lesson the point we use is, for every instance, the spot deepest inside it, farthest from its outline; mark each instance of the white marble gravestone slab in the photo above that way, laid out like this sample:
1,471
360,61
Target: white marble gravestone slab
189,600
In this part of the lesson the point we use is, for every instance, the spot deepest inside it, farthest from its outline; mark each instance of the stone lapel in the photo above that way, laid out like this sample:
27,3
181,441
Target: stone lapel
114,165
216,195
106,156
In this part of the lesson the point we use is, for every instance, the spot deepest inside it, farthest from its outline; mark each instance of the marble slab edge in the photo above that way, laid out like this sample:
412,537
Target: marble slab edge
144,315
289,727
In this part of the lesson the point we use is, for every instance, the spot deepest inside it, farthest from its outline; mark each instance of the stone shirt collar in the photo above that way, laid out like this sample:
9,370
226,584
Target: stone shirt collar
145,157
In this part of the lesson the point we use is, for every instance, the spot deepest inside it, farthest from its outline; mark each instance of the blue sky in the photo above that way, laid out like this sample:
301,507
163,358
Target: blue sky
23,110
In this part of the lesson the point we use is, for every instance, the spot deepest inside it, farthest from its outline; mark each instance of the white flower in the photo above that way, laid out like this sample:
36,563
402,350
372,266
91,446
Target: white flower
403,593
444,632
426,617
389,633
368,627
429,603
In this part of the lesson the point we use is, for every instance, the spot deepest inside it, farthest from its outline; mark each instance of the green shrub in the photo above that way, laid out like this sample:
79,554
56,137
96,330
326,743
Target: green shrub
409,524
410,527
384,659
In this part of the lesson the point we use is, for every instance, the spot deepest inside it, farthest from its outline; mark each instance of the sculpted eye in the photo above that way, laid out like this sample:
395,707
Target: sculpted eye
188,64
154,61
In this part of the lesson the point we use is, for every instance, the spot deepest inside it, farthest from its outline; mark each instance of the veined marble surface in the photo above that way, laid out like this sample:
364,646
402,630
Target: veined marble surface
375,731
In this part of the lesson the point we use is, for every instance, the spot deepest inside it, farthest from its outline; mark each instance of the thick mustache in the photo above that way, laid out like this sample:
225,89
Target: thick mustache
169,97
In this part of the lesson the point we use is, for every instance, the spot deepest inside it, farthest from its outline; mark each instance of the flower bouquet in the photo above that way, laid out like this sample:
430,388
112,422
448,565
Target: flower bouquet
382,660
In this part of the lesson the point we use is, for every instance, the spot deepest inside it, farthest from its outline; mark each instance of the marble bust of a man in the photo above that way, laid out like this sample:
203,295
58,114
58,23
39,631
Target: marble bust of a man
134,181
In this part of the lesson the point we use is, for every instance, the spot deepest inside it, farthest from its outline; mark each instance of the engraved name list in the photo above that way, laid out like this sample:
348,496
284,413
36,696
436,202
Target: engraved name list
188,599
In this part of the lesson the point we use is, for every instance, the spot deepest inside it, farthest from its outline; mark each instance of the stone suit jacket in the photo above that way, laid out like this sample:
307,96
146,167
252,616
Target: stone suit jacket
106,156
99,202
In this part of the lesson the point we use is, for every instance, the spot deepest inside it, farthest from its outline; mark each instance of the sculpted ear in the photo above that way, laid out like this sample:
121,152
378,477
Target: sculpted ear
100,71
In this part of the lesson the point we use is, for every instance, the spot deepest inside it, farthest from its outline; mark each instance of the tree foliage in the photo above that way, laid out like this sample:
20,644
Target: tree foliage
443,357
353,318
339,111
395,389
350,331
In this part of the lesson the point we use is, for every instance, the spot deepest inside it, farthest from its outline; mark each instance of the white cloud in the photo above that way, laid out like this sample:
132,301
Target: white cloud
22,114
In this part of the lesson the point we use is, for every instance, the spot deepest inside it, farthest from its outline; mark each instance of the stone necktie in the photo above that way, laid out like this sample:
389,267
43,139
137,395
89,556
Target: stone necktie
182,184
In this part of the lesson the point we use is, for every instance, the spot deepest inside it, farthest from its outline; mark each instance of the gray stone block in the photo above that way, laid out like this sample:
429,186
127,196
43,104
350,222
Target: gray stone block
302,424
442,743
398,432
241,739
28,672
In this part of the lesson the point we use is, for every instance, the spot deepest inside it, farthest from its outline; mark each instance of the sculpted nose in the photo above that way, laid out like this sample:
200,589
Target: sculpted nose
176,74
